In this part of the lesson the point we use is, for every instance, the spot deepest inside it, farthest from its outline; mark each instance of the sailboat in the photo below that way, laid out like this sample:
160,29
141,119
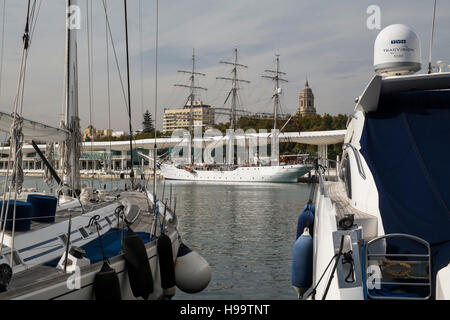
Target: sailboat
104,245
256,169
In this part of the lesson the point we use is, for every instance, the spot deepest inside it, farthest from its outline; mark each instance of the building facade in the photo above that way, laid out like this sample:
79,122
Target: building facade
203,115
105,160
92,134
306,101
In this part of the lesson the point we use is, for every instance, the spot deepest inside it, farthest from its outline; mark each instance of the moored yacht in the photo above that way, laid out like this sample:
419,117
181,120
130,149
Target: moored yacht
382,230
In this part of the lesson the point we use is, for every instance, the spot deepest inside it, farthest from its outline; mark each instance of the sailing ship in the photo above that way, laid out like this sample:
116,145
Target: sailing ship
85,244
254,170
382,230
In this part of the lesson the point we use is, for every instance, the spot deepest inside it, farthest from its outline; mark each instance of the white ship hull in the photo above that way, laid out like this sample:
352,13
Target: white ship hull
287,173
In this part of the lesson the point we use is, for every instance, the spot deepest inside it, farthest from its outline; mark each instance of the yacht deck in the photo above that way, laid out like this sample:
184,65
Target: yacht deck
336,192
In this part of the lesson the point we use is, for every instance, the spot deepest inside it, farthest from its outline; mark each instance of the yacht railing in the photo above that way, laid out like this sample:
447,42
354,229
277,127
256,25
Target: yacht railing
358,159
404,260
327,169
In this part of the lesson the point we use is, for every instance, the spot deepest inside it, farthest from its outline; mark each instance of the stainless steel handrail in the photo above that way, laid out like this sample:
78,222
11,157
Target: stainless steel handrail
358,159
407,236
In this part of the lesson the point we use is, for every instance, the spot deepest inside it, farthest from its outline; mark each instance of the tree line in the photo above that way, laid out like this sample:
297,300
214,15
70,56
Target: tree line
297,123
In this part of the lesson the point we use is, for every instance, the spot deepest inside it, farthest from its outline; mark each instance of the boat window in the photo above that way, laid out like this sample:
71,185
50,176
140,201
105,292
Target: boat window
83,232
108,220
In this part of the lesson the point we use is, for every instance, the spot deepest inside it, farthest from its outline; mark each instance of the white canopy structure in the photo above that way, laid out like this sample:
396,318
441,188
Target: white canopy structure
313,138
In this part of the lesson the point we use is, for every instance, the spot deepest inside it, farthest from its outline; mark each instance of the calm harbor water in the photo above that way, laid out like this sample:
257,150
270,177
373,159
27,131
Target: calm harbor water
245,232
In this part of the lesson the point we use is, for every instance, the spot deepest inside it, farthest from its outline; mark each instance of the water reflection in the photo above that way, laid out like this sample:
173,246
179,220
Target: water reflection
246,233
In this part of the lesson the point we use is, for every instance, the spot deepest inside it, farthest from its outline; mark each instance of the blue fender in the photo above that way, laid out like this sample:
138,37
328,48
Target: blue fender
305,220
302,262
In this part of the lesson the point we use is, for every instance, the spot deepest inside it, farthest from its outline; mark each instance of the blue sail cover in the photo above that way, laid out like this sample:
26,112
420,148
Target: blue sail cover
112,246
406,144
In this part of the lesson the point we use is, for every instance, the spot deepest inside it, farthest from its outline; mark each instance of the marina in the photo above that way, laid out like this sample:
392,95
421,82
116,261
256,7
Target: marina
235,181
228,241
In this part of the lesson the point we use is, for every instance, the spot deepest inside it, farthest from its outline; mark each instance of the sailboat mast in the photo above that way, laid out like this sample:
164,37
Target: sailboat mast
129,95
155,151
191,111
277,79
191,99
71,119
233,93
234,87
276,97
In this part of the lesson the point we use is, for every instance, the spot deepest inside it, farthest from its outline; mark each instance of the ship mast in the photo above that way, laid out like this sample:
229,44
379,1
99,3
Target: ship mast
191,98
71,119
277,79
234,87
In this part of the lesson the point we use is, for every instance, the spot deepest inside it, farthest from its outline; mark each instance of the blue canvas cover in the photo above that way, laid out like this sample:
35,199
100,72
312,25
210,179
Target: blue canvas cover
406,144
112,246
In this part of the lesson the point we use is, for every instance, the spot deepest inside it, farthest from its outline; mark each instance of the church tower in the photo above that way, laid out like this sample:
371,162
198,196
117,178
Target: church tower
306,101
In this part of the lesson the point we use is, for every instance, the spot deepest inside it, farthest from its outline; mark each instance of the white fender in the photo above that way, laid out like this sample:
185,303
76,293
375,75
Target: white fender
192,271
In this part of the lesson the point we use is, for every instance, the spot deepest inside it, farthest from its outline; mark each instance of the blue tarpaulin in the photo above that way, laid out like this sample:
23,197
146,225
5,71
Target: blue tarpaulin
406,144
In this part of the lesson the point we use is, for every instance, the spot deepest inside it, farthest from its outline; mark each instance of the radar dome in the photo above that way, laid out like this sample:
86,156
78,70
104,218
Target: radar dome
397,51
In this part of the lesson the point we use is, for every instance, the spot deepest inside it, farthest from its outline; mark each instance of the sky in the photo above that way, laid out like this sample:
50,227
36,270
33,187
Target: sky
327,42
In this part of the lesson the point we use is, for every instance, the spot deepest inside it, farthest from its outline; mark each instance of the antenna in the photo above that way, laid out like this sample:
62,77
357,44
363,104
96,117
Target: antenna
277,79
191,97
430,67
234,87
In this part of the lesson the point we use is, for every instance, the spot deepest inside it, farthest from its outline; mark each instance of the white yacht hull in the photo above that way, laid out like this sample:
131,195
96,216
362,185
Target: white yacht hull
58,289
287,173
41,282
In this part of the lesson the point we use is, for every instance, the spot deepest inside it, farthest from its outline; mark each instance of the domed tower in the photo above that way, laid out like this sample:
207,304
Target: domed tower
306,101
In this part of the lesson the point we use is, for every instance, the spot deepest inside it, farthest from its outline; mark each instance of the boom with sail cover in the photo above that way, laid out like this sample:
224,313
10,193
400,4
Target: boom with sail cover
34,130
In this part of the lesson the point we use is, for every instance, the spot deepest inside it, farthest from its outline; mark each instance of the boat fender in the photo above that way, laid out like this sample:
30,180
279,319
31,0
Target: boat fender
192,271
166,265
302,263
310,207
305,220
106,284
138,266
